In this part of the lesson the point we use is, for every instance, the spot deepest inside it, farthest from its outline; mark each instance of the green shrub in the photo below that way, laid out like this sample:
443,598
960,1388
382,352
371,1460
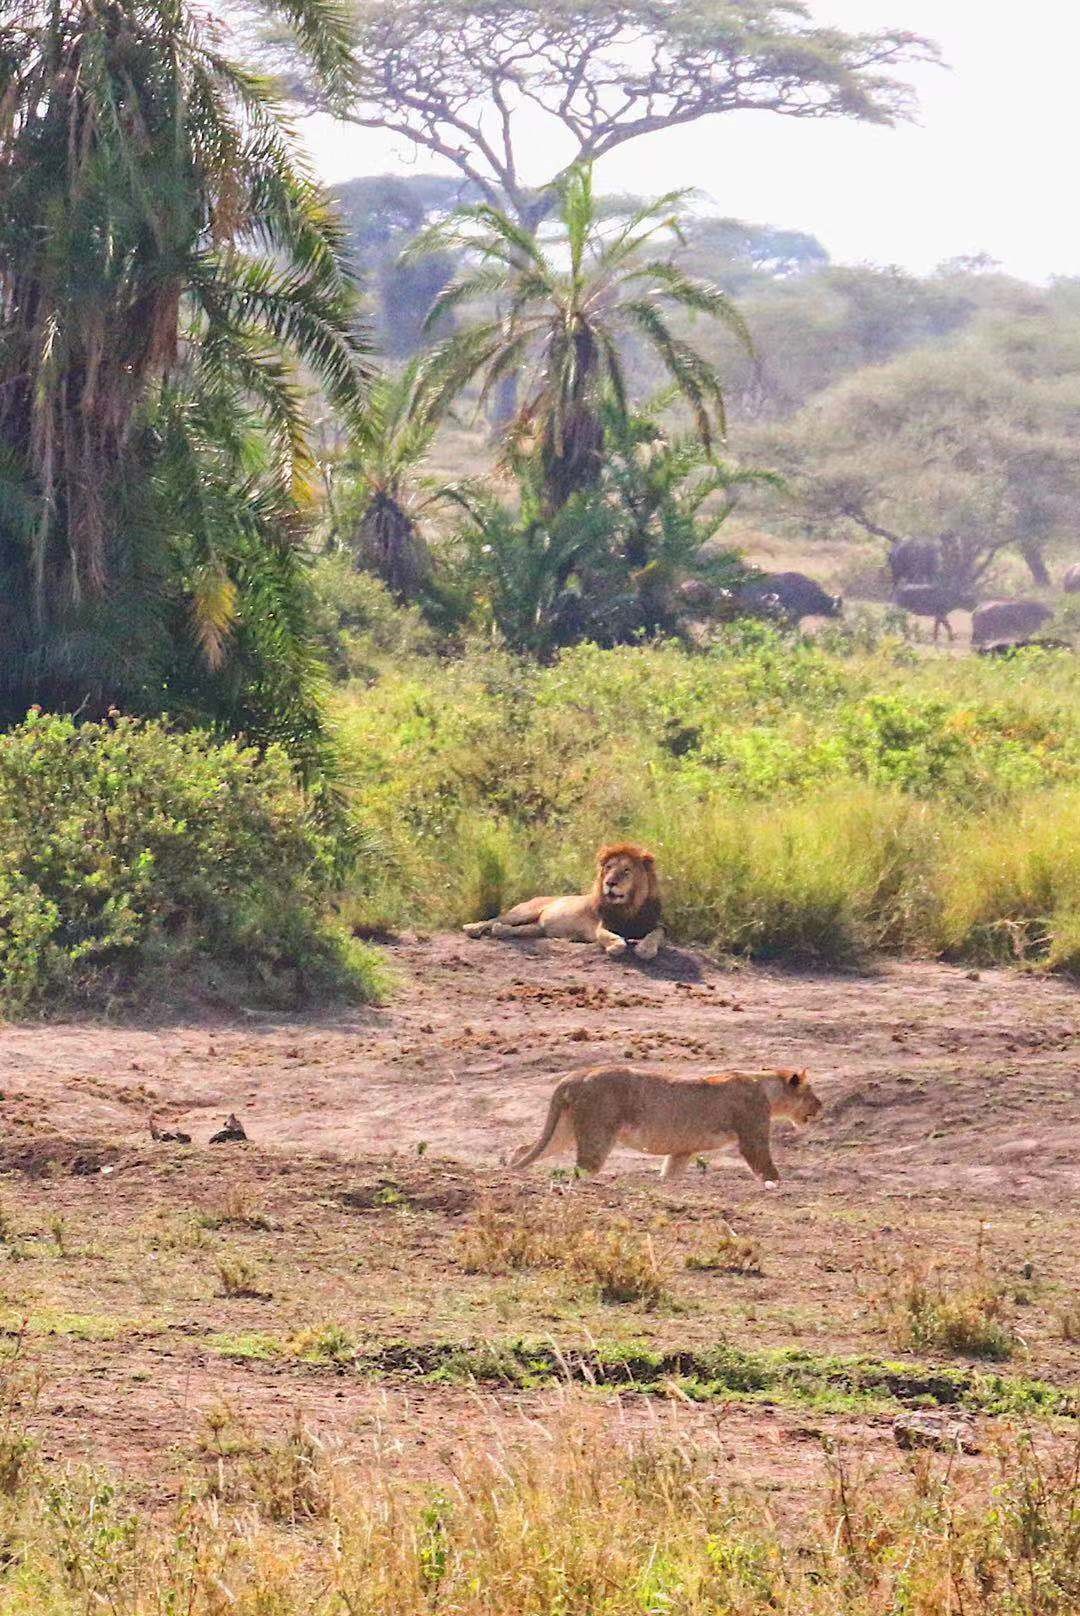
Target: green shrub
357,622
804,804
127,850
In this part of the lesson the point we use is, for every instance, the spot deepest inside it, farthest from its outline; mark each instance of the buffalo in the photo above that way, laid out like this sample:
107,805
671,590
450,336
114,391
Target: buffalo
1007,622
936,601
1071,580
915,561
791,593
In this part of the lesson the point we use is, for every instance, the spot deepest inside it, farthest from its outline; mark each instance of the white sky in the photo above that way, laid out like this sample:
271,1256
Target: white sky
990,167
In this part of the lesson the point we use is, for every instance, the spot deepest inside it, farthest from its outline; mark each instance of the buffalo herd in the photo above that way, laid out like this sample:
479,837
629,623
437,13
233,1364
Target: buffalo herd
927,581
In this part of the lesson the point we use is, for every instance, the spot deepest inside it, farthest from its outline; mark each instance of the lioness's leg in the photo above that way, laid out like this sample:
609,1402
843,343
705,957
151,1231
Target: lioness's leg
610,941
478,928
674,1166
594,1151
650,946
756,1154
499,928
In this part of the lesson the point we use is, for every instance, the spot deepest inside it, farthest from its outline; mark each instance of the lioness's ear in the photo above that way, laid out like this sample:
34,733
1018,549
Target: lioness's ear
795,1078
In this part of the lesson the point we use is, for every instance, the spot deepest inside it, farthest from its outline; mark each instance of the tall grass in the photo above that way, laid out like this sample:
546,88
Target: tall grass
805,805
572,1523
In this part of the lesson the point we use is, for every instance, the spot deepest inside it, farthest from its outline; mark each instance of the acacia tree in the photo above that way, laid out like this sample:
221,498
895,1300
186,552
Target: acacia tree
970,445
466,79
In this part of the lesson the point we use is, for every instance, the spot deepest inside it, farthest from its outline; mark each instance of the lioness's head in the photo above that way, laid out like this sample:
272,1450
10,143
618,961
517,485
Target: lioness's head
796,1098
625,877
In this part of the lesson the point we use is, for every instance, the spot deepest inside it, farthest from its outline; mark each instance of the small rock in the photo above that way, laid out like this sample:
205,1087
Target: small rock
230,1133
927,1430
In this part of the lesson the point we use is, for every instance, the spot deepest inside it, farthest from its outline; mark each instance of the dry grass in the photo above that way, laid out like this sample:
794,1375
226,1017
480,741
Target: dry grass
578,1522
727,1253
1069,1321
922,1311
238,1276
618,1262
237,1211
288,1481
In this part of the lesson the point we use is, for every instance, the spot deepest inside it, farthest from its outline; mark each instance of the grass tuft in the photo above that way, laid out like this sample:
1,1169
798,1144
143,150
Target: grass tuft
618,1262
922,1312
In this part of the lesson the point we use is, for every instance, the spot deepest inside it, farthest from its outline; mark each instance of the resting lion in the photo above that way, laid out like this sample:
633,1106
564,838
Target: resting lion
622,908
677,1118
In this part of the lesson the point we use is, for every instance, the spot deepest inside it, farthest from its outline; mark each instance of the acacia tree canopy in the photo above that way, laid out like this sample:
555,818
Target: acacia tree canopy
465,79
972,444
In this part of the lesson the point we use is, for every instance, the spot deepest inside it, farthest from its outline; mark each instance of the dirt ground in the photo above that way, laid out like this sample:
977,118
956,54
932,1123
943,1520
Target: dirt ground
153,1290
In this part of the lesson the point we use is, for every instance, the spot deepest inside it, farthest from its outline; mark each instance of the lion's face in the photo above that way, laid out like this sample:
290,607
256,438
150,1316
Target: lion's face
625,877
801,1104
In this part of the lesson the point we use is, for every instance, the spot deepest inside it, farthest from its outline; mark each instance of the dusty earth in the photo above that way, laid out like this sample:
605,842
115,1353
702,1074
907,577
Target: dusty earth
151,1286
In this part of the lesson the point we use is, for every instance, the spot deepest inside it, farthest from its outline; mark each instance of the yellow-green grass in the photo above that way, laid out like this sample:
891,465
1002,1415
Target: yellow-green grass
805,804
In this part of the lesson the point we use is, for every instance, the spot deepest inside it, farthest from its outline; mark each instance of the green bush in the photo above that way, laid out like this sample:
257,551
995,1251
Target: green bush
127,850
358,624
804,803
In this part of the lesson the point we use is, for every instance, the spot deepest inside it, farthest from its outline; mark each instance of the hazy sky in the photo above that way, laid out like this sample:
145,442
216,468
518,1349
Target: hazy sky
990,167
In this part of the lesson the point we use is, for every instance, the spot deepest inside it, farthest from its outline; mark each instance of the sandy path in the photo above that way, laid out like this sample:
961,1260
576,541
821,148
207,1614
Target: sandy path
934,1077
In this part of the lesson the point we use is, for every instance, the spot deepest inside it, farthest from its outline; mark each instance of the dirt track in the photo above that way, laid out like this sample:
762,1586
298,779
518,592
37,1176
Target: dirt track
951,1134
932,1079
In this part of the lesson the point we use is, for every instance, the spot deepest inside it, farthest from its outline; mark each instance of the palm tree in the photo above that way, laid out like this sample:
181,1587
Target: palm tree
567,311
377,520
166,265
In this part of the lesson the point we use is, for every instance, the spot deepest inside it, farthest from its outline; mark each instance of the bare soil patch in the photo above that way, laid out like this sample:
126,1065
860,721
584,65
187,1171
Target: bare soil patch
951,1138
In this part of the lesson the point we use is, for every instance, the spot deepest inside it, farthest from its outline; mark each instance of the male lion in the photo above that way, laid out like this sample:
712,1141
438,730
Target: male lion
622,908
677,1118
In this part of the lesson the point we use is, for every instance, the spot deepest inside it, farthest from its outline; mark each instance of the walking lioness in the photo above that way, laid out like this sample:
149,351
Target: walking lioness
674,1117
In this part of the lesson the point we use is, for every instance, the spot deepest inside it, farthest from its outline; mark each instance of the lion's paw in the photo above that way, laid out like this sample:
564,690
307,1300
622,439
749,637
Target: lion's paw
615,948
647,951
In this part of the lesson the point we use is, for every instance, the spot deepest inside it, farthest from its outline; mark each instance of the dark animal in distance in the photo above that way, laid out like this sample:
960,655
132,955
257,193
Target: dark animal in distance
231,1133
792,593
936,601
1070,581
1005,622
915,561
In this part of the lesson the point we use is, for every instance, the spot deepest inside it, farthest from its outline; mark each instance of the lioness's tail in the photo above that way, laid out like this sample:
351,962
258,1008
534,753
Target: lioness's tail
526,1156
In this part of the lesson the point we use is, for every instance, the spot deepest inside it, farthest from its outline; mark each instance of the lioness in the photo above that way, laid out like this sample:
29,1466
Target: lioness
677,1118
622,908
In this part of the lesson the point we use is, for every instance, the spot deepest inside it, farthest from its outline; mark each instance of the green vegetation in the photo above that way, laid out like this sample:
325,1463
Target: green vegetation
565,334
784,1375
924,1313
574,1525
969,441
129,853
804,802
167,266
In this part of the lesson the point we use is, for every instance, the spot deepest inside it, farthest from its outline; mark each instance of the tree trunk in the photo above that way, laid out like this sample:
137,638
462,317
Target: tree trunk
530,214
504,402
1032,554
